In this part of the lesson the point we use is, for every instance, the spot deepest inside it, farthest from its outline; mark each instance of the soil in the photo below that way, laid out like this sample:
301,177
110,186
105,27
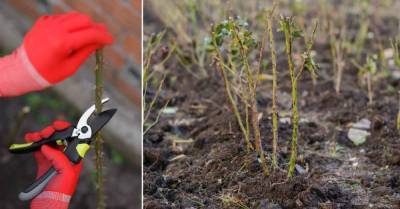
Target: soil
214,170
18,171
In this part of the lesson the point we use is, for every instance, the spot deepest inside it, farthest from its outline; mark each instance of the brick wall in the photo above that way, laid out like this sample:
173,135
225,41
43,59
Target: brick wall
122,17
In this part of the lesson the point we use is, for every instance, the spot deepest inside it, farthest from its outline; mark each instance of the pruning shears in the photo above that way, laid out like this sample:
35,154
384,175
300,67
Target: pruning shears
75,139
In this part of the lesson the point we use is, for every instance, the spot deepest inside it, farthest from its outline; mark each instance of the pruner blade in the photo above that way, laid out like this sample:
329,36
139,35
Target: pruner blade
82,129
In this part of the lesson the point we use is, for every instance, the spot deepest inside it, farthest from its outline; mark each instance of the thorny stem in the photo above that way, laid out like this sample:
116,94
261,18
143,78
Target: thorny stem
368,75
149,52
332,44
337,55
99,140
309,45
309,41
369,83
362,32
153,101
360,68
294,77
220,66
398,116
198,55
396,55
334,48
156,120
253,106
274,90
295,118
339,67
147,75
247,119
153,45
260,59
381,51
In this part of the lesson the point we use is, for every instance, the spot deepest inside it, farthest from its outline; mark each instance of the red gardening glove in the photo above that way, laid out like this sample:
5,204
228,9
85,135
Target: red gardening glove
58,192
57,45
52,51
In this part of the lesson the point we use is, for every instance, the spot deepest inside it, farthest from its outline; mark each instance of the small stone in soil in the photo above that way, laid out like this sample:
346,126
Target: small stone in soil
357,136
300,169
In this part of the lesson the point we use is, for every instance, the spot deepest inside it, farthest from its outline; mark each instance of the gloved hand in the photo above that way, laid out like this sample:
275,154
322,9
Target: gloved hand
58,45
52,50
58,192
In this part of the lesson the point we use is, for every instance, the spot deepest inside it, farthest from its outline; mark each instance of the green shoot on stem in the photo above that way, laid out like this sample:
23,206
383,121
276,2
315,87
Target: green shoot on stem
241,42
227,85
270,18
243,51
368,70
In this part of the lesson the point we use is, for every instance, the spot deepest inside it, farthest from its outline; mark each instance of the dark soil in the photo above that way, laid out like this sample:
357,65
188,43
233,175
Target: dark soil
18,171
216,171
216,165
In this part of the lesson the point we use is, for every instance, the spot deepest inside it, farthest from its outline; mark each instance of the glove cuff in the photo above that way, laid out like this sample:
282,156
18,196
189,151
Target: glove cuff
19,75
51,200
33,72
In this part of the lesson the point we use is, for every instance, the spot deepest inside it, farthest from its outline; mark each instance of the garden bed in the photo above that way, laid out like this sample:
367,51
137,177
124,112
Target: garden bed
196,157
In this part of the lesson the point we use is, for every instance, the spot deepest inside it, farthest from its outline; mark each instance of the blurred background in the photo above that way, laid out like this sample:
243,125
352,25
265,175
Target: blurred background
34,111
